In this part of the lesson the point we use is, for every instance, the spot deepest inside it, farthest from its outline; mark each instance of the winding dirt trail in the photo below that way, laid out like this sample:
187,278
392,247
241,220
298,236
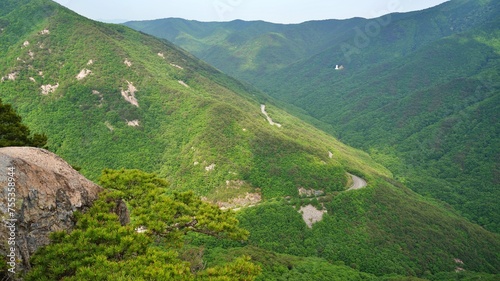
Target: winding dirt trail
263,109
357,183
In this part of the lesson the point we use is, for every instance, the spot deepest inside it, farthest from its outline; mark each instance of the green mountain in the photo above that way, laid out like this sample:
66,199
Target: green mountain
107,96
418,91
249,49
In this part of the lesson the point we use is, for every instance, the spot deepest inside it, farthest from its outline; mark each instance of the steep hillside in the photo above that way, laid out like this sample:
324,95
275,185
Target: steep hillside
110,97
419,91
249,49
62,192
430,115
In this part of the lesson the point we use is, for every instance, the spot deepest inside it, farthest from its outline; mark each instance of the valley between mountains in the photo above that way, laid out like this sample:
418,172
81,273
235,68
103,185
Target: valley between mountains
357,183
171,139
418,91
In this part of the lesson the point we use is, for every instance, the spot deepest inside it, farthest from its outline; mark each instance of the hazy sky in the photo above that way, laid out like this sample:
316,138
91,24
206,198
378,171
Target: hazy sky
278,11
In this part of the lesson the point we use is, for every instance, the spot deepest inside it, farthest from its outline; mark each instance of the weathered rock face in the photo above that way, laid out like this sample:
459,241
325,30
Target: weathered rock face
47,192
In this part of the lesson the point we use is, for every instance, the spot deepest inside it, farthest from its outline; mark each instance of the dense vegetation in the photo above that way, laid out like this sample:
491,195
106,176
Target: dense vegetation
102,247
418,91
14,133
110,97
381,231
249,49
189,119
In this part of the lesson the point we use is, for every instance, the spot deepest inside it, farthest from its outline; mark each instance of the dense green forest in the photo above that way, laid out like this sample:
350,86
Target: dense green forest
418,91
147,113
208,120
14,133
103,248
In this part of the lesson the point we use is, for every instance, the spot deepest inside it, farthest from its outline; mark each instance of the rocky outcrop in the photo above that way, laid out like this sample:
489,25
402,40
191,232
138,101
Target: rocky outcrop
47,193
121,210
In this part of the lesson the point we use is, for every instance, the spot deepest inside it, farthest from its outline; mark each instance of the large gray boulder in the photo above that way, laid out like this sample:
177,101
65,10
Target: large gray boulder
47,193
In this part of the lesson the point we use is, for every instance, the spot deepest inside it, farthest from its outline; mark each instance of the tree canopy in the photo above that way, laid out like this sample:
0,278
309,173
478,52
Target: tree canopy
101,248
14,133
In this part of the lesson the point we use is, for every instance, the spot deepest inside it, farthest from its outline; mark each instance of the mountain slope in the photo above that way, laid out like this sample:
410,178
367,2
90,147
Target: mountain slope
249,49
438,117
419,91
110,97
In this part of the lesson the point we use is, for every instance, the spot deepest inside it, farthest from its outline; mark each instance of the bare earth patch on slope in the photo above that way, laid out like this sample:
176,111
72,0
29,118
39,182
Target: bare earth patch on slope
183,83
236,194
133,123
248,200
176,66
311,215
127,63
11,76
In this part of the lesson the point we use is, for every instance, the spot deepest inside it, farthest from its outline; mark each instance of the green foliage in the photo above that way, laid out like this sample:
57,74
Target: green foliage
14,133
248,49
379,230
170,217
240,269
462,276
432,122
276,227
277,267
101,248
182,131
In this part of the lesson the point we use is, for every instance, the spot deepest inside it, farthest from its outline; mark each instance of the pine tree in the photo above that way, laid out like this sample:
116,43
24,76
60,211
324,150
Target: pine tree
101,248
14,133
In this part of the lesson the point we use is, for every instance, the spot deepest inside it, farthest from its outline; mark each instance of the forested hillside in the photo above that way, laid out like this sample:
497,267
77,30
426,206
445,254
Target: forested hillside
419,91
108,97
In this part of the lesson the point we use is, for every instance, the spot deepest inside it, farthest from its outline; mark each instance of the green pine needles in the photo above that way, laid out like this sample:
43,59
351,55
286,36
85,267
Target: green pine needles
101,248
